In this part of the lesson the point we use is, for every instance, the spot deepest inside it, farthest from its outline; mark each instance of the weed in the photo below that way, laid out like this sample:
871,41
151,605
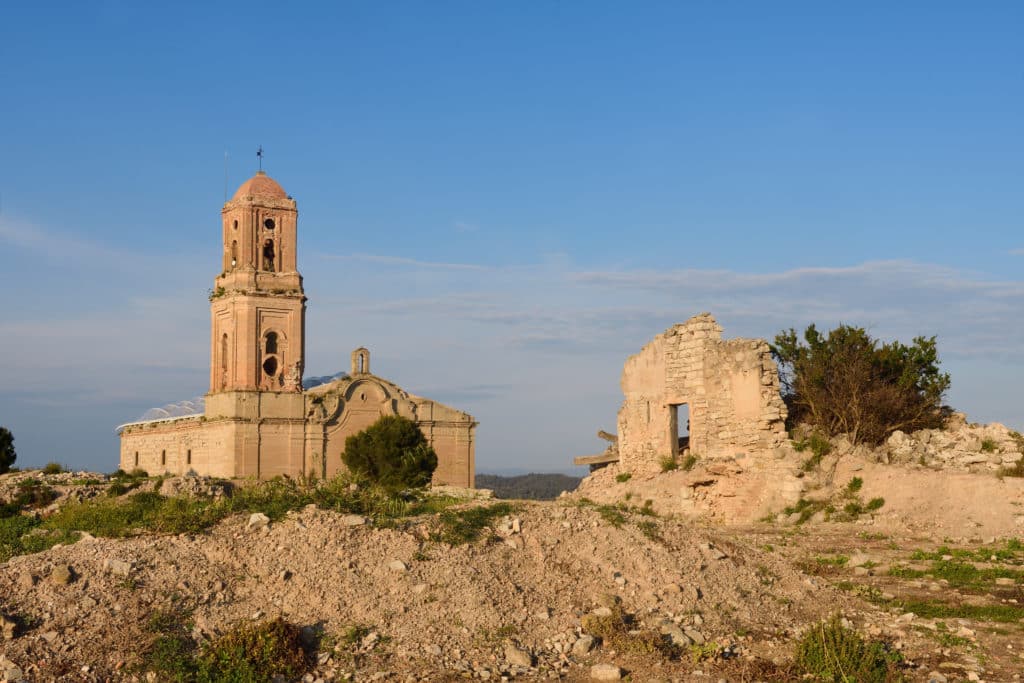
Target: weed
615,629
623,477
989,446
854,486
689,461
254,652
703,652
53,468
612,515
807,508
836,561
669,463
457,527
959,574
832,652
874,504
934,609
650,530
819,446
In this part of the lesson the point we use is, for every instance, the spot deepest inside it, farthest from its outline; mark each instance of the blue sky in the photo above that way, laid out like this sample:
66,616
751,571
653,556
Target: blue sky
504,200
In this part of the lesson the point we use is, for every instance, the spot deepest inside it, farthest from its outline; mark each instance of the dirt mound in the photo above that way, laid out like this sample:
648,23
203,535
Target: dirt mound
508,605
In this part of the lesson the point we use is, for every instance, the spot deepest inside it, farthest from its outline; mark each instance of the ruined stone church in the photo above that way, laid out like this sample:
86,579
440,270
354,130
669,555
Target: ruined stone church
258,421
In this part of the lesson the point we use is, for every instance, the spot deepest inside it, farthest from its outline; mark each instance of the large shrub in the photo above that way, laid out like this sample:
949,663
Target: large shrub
7,454
848,383
392,452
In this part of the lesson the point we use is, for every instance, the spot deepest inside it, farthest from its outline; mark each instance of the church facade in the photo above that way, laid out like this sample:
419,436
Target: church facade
258,421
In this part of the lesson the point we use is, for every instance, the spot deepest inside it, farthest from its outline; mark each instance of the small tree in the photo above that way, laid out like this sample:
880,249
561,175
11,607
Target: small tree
392,452
848,383
7,454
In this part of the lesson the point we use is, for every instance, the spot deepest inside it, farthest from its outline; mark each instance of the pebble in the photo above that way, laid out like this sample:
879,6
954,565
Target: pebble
605,672
258,520
61,575
353,520
518,656
117,567
397,566
583,645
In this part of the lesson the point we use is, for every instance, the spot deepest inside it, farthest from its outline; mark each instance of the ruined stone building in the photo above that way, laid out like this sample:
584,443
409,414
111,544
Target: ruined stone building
688,389
257,419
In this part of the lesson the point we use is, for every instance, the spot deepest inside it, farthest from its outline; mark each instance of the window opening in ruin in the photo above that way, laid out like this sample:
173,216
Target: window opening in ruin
270,366
163,457
234,253
188,457
236,225
269,224
271,343
268,256
136,458
679,428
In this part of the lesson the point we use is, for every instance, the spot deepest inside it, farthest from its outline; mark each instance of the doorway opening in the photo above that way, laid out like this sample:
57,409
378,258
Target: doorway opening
679,429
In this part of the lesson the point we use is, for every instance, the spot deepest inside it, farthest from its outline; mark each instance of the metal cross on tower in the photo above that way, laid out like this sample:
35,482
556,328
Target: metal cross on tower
259,155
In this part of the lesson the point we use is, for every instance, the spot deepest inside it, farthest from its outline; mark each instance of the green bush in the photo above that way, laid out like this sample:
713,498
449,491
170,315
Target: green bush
689,461
7,454
53,468
254,653
831,652
988,446
668,463
848,383
623,477
392,452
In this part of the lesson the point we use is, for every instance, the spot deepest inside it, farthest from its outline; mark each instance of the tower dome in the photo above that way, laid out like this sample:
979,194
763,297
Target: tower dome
260,185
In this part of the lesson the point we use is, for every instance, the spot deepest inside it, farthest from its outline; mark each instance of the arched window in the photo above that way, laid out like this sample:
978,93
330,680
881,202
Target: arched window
268,256
270,346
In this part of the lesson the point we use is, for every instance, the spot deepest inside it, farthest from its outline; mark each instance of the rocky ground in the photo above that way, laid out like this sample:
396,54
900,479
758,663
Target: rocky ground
392,602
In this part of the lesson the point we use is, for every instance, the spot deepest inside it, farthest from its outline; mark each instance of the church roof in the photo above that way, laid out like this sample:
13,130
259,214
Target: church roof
260,185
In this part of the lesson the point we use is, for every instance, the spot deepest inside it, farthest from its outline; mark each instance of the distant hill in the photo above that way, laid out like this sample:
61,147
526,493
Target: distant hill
529,486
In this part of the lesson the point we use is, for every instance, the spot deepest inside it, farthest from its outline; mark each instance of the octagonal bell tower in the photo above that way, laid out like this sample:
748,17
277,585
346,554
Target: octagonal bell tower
257,306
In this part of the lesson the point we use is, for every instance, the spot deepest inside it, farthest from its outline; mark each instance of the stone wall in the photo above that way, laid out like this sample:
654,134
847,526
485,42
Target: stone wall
731,390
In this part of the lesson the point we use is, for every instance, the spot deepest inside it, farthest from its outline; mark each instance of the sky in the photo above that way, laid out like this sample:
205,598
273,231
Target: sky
504,200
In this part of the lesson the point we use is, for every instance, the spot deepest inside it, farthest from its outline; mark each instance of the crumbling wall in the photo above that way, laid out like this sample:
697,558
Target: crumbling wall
731,389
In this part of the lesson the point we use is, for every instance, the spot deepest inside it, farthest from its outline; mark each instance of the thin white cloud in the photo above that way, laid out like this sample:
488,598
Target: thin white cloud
1017,252
402,261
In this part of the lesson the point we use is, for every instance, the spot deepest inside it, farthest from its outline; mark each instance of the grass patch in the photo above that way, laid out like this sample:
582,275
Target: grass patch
689,461
989,446
835,561
611,514
616,631
458,527
832,652
53,468
959,574
669,463
623,477
933,609
807,508
248,653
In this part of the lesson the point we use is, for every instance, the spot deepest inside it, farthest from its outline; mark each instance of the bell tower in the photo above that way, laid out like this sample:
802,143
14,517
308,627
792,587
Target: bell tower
257,306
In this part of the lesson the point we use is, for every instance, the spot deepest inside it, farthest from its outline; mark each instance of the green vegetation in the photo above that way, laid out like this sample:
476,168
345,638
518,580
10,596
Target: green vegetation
819,446
669,463
845,382
248,653
831,652
689,461
835,561
1012,551
617,632
960,574
458,527
623,477
988,446
934,609
115,517
7,454
53,468
527,486
392,452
